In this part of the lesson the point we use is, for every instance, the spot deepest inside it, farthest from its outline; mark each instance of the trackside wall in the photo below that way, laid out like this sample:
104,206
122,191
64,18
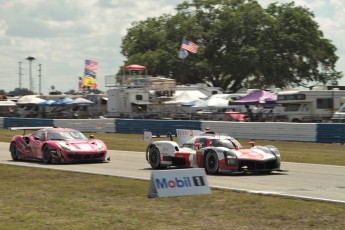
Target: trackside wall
330,133
157,127
266,130
22,122
306,132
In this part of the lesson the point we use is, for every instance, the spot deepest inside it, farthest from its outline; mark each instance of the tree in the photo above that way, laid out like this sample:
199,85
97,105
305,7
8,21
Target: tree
20,92
240,45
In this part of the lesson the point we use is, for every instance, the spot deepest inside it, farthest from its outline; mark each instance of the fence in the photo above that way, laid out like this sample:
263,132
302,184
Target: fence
306,132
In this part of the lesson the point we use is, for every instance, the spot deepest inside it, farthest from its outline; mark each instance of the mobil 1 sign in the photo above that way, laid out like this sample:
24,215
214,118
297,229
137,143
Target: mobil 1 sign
178,182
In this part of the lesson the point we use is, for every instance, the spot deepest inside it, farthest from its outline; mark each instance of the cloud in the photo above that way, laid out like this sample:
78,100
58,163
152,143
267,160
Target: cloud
61,34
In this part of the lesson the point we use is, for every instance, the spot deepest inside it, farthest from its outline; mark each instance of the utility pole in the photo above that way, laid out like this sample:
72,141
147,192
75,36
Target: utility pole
20,75
30,59
39,78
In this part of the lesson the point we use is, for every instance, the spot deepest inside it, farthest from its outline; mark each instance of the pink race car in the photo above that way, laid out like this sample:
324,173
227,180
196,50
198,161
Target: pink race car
56,145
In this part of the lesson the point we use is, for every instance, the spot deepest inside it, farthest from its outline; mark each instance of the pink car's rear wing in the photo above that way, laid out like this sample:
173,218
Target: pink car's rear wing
29,128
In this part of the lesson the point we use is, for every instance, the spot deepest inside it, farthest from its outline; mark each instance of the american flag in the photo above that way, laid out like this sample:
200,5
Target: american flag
90,65
189,46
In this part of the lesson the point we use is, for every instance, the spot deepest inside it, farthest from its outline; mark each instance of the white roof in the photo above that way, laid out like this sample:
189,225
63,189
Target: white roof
196,94
211,102
186,96
30,99
7,103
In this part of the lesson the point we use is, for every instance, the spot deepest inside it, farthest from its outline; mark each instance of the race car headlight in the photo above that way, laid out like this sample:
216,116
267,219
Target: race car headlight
100,146
64,147
230,158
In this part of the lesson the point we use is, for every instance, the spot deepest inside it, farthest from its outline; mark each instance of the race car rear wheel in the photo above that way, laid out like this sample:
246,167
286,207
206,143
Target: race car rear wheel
47,157
155,158
212,163
14,152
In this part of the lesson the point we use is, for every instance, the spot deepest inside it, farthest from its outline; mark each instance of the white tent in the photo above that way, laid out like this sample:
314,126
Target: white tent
211,102
81,101
29,99
7,103
186,96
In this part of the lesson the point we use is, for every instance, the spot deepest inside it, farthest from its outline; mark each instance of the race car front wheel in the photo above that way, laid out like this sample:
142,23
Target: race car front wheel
211,163
47,157
155,158
14,152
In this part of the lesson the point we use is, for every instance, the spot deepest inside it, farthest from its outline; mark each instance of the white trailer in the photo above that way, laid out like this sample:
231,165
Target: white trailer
127,102
309,106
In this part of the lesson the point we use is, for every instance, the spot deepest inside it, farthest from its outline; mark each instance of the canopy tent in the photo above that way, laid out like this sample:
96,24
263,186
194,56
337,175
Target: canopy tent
7,103
211,102
185,97
63,101
48,102
257,96
29,100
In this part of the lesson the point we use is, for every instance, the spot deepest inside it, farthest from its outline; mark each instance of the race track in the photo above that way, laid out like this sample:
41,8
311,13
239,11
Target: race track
307,181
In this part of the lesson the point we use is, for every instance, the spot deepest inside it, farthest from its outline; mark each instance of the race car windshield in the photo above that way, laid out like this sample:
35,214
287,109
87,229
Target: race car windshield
227,143
67,135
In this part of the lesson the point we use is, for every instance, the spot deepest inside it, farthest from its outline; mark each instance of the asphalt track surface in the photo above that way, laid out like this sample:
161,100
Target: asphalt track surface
305,181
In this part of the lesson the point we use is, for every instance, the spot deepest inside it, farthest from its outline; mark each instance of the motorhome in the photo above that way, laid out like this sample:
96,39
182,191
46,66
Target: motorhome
309,106
339,115
141,97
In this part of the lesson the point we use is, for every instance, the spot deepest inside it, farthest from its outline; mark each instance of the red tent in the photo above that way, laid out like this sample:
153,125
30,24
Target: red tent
135,67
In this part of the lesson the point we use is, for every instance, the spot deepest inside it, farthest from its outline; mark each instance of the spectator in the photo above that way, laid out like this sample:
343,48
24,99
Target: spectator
249,113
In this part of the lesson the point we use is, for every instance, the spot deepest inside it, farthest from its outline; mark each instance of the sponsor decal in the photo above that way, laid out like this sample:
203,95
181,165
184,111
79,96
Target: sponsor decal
163,183
178,182
185,132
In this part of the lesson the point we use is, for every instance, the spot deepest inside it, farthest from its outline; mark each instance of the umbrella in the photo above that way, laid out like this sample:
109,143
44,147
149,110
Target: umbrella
81,101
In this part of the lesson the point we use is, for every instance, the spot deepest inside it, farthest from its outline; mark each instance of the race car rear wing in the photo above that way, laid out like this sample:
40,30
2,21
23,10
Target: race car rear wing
183,135
29,128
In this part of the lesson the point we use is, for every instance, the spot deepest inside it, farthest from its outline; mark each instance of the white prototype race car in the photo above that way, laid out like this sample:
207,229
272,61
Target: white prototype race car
214,152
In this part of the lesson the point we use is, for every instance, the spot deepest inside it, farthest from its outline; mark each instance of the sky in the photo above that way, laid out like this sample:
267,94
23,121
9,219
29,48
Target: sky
62,34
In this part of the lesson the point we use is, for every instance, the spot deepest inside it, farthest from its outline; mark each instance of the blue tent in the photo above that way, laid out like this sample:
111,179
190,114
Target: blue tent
63,101
48,102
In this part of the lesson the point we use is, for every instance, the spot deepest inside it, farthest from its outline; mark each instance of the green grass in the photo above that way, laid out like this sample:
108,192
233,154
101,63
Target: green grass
32,198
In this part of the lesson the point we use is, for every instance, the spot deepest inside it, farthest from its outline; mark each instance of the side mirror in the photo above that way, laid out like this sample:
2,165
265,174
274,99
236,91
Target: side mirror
251,143
92,136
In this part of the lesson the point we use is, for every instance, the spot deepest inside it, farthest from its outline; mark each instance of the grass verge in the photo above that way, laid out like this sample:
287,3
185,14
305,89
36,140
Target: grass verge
32,198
